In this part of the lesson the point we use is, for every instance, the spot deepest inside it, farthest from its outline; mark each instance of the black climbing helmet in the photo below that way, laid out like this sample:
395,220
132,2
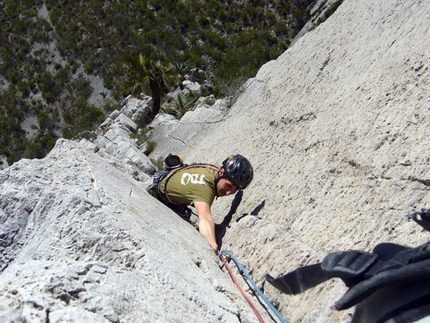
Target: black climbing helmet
239,170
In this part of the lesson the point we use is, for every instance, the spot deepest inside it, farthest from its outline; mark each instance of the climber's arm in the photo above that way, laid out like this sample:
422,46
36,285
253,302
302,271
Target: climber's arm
206,223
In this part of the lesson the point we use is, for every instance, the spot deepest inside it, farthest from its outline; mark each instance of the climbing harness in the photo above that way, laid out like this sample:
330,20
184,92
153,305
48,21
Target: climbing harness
229,255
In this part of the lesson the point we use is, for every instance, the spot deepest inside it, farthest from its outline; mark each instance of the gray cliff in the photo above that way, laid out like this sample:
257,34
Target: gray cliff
338,131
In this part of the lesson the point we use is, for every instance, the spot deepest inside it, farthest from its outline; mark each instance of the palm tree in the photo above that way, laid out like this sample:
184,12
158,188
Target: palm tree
143,73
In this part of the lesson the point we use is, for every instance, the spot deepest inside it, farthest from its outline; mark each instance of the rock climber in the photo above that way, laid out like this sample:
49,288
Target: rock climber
198,185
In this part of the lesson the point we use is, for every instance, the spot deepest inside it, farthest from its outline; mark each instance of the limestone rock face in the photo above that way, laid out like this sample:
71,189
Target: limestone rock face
82,241
115,138
337,129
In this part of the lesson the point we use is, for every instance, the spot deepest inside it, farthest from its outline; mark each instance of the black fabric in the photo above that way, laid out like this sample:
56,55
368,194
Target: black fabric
349,266
411,272
363,272
300,279
410,312
387,250
390,285
402,302
183,211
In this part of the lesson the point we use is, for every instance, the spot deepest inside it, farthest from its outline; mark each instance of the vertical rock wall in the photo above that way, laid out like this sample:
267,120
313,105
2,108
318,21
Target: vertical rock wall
338,130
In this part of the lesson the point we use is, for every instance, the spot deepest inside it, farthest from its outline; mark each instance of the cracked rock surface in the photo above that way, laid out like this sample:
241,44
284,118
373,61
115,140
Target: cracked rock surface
338,131
82,241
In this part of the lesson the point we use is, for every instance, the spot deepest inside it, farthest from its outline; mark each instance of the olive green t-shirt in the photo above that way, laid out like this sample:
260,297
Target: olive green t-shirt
191,184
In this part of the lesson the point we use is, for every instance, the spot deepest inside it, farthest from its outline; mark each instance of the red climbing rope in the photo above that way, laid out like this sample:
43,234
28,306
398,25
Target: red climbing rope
241,290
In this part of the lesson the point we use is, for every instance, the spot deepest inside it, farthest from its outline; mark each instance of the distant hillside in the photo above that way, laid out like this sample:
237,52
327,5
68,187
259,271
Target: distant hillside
62,62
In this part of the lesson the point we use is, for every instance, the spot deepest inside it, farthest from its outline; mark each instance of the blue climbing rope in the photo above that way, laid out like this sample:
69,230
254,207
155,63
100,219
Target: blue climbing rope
242,269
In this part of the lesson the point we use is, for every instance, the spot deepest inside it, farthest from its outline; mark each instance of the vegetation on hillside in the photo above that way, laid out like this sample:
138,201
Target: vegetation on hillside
145,73
50,46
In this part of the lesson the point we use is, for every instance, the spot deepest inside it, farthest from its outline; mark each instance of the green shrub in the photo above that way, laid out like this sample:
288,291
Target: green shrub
150,146
159,162
48,141
108,82
89,68
140,136
184,103
228,40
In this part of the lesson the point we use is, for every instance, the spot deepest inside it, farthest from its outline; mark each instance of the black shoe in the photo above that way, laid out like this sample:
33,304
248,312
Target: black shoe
183,211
